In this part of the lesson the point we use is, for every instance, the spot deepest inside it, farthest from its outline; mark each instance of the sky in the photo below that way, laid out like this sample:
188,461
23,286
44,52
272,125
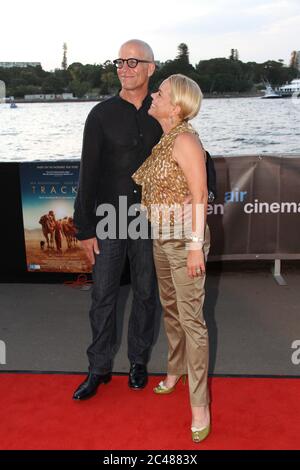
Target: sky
35,31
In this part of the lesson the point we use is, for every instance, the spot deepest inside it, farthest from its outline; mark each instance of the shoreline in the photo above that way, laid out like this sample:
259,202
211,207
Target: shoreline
89,100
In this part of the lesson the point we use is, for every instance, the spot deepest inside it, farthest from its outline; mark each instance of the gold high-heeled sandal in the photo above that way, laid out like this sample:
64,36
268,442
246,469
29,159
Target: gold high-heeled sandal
161,389
199,435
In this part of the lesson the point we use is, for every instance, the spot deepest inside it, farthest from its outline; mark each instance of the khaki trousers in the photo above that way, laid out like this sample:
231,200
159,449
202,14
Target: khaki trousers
182,300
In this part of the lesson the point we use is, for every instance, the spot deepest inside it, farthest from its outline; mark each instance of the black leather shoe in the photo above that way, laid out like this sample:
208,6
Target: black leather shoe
138,376
89,387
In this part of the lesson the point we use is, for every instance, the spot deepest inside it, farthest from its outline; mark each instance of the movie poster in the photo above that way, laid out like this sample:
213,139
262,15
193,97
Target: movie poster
48,192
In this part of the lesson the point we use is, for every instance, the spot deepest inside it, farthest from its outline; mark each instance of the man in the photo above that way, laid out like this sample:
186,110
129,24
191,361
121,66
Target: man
119,135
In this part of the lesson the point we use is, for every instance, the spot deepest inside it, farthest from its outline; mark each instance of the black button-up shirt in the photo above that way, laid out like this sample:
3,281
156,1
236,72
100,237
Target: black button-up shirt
117,139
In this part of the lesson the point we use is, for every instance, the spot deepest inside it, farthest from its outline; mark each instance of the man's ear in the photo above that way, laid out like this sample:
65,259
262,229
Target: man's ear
151,69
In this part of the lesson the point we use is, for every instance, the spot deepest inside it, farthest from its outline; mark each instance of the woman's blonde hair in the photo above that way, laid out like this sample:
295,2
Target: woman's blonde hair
187,94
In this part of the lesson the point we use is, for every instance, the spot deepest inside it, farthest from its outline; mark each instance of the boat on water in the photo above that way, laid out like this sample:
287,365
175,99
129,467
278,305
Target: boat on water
270,93
290,89
12,102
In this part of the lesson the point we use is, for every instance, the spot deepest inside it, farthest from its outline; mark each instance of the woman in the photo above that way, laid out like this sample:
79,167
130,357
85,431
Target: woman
174,173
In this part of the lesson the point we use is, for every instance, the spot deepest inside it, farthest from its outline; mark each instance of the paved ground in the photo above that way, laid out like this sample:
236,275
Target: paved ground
252,324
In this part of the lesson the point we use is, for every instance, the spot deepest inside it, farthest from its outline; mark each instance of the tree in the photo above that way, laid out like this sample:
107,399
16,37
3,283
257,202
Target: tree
109,78
183,53
218,75
53,85
180,64
78,88
275,73
74,70
224,75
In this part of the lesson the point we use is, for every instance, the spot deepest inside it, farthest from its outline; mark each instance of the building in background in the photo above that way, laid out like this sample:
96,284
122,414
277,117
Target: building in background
295,60
9,65
41,97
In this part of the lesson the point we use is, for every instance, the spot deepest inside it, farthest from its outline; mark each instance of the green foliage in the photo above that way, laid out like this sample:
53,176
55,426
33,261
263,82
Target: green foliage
79,88
219,75
183,53
109,79
275,73
55,83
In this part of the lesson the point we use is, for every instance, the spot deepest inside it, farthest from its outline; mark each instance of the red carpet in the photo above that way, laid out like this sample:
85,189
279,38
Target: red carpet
37,412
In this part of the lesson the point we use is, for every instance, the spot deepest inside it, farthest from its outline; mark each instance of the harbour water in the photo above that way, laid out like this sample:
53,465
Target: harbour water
227,126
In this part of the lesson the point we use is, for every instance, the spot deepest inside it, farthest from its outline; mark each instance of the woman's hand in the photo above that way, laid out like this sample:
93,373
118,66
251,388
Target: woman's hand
195,263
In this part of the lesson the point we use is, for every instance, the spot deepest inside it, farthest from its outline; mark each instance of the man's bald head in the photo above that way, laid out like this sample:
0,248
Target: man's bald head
135,80
139,47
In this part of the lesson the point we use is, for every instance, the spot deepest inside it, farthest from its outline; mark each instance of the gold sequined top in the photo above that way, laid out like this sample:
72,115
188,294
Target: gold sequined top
162,180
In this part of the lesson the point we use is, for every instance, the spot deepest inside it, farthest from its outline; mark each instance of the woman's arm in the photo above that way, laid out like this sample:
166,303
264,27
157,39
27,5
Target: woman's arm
189,154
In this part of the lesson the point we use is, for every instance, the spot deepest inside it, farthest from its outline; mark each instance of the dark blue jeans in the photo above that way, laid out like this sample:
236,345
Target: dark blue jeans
107,273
